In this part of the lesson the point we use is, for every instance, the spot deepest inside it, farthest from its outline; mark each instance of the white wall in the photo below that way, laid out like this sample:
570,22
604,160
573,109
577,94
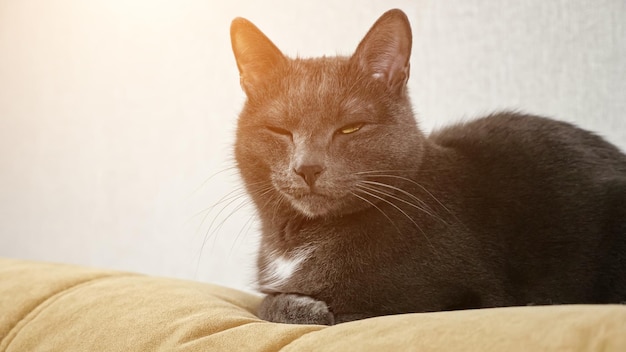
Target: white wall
115,113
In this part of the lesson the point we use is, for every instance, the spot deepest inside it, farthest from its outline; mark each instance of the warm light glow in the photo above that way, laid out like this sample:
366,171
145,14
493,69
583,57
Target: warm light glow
112,111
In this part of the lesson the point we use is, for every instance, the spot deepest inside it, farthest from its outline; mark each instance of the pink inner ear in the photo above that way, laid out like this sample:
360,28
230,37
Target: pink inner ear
390,63
385,50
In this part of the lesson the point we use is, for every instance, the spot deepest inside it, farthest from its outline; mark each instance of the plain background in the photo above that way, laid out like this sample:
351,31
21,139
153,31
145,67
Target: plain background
117,116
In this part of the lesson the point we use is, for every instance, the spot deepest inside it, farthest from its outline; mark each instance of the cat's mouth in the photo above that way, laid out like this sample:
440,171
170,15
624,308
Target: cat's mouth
311,203
310,197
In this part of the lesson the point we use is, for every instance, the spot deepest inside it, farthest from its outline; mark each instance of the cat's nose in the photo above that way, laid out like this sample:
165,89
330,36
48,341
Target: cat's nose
309,173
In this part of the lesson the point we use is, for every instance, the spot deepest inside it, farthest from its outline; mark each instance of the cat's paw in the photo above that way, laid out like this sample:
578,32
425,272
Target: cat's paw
295,309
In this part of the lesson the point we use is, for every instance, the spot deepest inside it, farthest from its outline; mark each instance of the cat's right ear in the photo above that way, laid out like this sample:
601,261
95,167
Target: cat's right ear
256,55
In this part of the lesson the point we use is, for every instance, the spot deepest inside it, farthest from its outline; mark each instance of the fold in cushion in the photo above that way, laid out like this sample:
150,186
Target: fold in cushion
55,307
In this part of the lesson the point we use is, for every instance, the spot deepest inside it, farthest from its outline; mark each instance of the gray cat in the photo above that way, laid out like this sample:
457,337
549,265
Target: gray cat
363,215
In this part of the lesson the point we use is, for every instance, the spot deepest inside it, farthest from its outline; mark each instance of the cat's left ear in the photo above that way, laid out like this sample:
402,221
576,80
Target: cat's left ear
385,51
256,55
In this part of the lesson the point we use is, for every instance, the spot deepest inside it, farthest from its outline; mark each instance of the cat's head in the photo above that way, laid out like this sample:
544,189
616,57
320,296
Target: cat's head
312,130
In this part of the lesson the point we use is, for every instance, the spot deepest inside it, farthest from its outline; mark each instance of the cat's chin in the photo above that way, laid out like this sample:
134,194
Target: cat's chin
311,206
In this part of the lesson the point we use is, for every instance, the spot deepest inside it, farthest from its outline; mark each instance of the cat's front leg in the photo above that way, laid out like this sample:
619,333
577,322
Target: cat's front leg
295,309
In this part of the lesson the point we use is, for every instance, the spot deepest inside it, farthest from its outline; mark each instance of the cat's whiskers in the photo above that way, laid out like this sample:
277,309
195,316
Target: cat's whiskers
398,189
384,171
211,229
236,193
414,183
275,199
387,173
377,208
262,191
243,200
277,206
228,201
229,168
368,191
376,187
229,197
246,226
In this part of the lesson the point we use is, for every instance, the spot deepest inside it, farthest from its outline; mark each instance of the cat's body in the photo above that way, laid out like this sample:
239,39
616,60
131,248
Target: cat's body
363,215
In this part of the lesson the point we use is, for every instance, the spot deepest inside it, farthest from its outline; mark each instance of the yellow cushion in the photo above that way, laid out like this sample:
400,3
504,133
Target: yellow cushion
55,307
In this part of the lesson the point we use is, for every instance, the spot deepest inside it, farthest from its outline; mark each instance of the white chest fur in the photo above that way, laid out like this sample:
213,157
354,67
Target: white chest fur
281,268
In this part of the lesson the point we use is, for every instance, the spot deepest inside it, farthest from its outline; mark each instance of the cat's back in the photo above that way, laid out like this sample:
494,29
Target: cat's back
533,182
510,137
530,167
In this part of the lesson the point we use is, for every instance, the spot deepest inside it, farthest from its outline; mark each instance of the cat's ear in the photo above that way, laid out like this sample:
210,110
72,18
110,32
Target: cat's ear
256,55
385,51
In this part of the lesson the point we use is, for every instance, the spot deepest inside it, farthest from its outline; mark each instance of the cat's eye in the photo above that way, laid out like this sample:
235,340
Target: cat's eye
278,130
351,128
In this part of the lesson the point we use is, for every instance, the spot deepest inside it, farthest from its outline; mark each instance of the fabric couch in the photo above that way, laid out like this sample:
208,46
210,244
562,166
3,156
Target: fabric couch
57,307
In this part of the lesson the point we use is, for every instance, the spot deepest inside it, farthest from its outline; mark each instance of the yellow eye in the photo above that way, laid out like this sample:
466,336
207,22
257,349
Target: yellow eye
351,128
